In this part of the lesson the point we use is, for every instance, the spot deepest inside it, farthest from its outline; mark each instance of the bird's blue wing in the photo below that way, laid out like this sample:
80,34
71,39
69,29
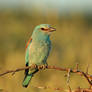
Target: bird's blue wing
27,55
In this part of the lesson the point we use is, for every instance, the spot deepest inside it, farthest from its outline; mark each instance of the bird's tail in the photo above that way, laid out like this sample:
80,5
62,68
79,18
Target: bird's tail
27,80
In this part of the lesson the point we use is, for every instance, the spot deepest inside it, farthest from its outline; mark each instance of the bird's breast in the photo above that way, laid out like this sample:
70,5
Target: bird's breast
38,51
39,46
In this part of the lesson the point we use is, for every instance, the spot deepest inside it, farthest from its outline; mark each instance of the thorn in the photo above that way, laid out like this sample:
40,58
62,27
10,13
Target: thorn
69,88
77,66
68,76
87,69
90,87
13,73
57,89
65,75
79,89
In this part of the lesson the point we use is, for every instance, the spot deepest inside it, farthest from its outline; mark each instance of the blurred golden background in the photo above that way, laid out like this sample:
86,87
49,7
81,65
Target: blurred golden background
72,44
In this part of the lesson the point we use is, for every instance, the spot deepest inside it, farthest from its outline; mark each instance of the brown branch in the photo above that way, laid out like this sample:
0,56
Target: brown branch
48,87
87,76
61,89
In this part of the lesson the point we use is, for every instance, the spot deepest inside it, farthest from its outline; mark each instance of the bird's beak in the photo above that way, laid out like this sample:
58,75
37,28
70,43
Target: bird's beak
52,29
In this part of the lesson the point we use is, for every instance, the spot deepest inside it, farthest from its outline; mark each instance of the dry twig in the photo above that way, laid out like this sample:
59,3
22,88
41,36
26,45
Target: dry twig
48,87
87,76
63,90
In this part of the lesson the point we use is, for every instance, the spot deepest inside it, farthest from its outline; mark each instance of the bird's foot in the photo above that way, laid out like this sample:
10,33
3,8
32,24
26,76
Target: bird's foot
42,67
34,66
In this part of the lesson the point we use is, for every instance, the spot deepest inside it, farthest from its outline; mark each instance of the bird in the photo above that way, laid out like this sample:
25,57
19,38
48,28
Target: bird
38,48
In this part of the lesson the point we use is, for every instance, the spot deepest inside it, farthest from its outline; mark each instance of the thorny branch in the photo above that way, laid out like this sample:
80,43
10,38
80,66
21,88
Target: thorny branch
86,75
63,90
48,87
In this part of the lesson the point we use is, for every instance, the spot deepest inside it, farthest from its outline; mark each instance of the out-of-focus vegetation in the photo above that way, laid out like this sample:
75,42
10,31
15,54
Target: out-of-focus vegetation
72,43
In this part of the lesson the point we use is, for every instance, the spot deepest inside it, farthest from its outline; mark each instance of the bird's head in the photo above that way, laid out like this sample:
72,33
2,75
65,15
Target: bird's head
44,28
42,31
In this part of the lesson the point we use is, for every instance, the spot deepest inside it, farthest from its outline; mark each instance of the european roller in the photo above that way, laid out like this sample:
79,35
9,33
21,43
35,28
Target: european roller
37,50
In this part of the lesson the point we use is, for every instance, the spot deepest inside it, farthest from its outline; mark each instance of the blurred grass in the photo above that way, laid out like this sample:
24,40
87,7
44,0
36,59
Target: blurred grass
72,43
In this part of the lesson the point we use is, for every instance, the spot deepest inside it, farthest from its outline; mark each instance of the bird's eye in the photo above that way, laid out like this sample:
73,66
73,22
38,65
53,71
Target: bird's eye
42,29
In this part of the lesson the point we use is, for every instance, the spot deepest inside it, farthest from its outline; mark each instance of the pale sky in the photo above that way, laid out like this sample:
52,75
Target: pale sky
60,5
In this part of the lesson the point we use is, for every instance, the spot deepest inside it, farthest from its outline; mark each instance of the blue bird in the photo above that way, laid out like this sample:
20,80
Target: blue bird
37,50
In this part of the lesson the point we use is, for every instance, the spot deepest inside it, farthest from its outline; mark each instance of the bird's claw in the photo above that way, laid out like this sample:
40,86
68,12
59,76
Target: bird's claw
34,66
42,67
